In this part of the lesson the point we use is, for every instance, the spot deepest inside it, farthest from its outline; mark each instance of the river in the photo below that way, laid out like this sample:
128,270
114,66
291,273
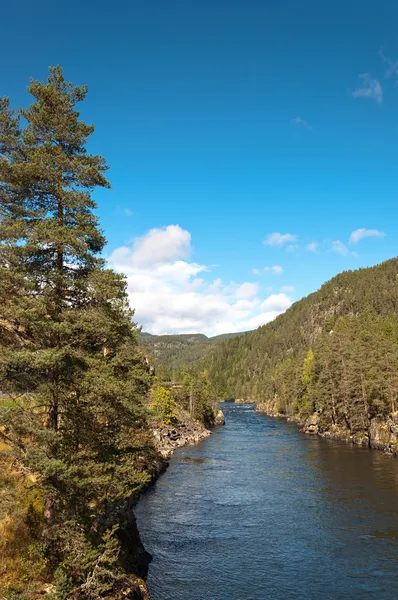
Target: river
260,511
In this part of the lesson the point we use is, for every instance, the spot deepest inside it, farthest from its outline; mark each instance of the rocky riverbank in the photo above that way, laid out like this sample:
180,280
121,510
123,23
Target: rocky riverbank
170,437
380,434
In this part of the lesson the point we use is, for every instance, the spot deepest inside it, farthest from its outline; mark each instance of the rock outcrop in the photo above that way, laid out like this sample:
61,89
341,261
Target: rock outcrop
184,432
383,435
170,437
219,418
311,425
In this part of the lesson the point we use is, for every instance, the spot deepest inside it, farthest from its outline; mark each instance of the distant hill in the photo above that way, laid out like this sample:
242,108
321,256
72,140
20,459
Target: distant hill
178,350
333,354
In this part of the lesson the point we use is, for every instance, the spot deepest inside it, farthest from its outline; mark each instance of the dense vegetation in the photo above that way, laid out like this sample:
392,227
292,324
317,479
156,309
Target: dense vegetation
74,440
172,352
334,353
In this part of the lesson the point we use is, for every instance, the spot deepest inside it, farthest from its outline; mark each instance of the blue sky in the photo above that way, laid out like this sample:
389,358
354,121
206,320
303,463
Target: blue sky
232,120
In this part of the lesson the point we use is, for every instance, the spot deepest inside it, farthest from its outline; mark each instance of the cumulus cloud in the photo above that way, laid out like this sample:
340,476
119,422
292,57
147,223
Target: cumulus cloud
339,248
359,234
172,294
161,246
279,239
278,302
247,290
369,88
275,269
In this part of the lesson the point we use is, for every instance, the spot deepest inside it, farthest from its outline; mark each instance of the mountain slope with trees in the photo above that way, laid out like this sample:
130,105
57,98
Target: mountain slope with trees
329,362
171,352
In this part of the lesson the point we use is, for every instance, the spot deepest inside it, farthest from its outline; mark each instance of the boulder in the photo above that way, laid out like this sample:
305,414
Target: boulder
311,424
219,418
379,434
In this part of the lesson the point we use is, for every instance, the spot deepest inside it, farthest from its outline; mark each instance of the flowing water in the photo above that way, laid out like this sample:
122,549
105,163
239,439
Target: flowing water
261,511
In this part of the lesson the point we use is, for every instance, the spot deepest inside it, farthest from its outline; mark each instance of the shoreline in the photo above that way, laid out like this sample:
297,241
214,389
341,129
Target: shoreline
381,434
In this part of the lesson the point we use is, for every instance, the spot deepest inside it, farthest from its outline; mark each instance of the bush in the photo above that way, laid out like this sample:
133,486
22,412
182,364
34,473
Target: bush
163,405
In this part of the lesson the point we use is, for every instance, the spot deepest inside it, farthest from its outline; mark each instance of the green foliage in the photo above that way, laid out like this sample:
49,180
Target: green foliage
163,405
170,353
195,394
334,352
308,382
70,363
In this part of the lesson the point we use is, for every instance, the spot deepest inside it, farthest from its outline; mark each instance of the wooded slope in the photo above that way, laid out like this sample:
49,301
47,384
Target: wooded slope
334,353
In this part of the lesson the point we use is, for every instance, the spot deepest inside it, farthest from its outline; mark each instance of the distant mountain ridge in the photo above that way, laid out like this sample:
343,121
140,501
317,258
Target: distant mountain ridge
184,349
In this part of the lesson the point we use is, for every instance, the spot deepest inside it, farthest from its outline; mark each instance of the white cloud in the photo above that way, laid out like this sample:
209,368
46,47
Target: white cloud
275,269
339,248
128,212
247,290
313,247
370,88
289,289
359,234
216,285
171,294
161,246
260,319
299,122
278,302
279,239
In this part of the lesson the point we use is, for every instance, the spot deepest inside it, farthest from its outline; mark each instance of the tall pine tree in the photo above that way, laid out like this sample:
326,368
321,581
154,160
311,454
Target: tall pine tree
70,363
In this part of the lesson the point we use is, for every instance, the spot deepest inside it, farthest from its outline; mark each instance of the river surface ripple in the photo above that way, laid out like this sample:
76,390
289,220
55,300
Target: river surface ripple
261,511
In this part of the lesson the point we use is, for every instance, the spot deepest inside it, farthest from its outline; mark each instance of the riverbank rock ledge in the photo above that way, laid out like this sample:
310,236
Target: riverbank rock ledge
168,438
383,435
311,425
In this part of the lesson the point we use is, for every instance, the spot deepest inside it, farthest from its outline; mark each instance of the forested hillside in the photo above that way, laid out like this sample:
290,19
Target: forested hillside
175,351
333,356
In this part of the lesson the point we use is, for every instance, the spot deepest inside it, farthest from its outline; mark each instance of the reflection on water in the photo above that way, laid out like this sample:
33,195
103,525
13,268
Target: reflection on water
260,511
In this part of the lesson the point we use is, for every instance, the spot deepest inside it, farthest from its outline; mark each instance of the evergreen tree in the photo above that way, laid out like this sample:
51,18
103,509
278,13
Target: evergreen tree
70,362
